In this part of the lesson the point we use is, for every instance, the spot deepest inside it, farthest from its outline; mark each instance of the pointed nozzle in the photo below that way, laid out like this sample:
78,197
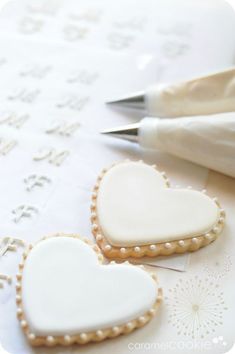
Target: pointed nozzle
134,100
127,132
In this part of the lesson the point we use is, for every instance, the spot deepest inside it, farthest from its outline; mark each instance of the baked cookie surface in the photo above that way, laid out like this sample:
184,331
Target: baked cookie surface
65,294
134,213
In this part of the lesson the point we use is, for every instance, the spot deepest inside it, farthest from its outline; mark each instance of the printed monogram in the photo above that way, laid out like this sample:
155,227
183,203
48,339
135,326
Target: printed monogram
63,128
6,145
73,102
33,181
23,211
13,119
24,95
53,156
10,244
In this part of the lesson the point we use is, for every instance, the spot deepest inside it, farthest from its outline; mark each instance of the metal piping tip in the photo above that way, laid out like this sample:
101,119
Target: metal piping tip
135,100
127,132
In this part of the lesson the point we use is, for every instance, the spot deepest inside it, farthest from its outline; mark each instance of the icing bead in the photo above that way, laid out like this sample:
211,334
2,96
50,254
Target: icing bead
30,247
152,248
18,298
189,187
92,206
18,286
115,329
50,340
195,240
112,262
163,173
19,311
94,227
107,248
99,237
18,276
221,220
127,263
24,255
122,250
209,237
96,186
168,245
23,324
67,339
204,191
94,195
129,325
93,216
99,333
21,265
153,275
152,312
181,243
83,336
222,212
215,229
31,336
141,319
137,249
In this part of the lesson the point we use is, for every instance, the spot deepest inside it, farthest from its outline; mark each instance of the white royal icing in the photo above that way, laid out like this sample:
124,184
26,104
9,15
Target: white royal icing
65,290
135,207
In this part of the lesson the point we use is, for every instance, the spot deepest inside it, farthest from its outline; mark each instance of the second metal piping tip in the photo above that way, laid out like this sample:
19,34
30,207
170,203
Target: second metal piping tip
127,132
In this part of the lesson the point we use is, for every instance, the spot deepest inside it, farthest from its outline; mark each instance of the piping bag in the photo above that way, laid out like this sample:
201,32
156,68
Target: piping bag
206,140
208,94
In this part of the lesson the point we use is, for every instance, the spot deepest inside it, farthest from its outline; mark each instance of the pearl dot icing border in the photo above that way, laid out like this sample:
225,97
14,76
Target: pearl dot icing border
85,337
190,244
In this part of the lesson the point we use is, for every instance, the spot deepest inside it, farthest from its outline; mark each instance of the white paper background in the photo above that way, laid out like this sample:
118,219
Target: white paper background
174,43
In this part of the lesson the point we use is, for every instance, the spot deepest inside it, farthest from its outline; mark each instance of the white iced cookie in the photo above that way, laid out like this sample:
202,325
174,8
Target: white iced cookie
66,295
134,213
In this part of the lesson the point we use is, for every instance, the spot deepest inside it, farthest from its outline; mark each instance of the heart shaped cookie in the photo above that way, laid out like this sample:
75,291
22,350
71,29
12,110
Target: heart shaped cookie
134,213
66,295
